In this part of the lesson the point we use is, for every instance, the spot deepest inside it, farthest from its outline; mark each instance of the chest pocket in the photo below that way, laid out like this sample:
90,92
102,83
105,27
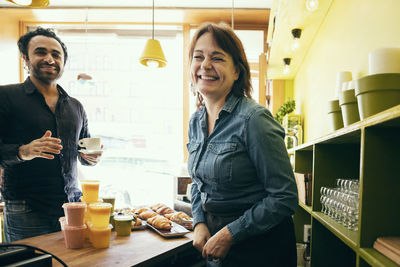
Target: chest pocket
220,161
192,148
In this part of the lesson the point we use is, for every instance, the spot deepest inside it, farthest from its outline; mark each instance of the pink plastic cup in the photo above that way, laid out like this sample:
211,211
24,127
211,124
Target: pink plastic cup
74,213
74,236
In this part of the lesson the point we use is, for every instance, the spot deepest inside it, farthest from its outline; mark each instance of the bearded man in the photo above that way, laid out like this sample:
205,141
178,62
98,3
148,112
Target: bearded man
40,126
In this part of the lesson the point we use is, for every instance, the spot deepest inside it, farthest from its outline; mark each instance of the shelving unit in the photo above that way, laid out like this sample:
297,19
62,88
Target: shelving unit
369,151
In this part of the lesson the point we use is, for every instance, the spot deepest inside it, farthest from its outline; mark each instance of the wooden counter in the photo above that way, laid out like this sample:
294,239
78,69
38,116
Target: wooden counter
141,248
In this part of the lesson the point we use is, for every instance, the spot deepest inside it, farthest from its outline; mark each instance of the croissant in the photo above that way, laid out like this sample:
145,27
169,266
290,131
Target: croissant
160,222
140,210
178,216
155,207
165,210
136,222
147,214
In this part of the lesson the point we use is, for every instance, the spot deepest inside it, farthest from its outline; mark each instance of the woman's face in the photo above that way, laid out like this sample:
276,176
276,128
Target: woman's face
212,69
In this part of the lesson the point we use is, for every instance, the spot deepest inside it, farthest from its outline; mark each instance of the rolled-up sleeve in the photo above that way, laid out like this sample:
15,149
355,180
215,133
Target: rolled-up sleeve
84,133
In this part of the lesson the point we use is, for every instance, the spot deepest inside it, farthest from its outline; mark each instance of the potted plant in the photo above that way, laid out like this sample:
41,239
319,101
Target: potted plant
286,108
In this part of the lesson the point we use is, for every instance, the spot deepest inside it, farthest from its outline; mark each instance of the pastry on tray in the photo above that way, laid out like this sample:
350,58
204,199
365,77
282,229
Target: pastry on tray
178,215
164,210
181,218
136,222
145,215
140,210
155,207
125,211
160,222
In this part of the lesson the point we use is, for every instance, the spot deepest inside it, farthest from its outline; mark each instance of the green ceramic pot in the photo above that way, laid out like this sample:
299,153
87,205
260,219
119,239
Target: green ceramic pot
378,92
349,107
335,115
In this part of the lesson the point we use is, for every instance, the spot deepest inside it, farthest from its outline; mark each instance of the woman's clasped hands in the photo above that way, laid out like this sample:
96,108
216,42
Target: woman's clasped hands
212,248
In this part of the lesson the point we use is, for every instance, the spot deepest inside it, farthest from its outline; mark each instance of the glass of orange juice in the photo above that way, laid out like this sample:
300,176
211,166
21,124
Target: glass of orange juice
100,214
90,190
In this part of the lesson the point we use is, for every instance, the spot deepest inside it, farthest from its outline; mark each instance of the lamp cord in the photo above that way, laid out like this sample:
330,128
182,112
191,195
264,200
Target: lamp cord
86,29
35,248
233,25
153,22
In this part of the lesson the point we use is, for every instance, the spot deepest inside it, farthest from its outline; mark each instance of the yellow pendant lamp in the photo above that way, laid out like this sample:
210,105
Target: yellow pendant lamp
34,3
152,55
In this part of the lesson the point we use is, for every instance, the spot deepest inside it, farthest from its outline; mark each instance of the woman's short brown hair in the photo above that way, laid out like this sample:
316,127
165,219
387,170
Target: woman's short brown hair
228,41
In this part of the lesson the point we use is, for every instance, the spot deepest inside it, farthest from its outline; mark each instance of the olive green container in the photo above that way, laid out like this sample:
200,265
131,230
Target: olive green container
349,107
112,222
335,115
110,200
376,93
123,224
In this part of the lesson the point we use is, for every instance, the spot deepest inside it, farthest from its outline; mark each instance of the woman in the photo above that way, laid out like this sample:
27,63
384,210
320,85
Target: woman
243,192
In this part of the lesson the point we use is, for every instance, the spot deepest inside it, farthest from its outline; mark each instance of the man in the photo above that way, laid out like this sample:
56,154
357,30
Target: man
40,125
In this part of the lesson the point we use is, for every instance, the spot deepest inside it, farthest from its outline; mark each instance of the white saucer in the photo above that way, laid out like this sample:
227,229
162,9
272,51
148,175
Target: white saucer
90,151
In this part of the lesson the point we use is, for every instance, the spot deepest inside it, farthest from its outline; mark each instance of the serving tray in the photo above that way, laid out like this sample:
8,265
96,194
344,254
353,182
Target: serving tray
176,230
140,227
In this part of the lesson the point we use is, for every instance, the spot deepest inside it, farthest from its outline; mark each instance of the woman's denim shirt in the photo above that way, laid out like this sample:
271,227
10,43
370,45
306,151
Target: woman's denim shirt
242,168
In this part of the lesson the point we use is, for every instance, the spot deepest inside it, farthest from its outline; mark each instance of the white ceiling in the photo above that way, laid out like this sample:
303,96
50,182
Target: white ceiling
253,4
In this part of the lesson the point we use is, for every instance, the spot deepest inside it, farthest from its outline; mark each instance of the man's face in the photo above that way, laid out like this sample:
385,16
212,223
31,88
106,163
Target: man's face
45,59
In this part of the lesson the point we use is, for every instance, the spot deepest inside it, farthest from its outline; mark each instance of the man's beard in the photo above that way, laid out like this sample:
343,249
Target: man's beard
42,76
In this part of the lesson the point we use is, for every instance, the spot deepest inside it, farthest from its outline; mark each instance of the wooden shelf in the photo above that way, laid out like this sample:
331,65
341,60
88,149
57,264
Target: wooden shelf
367,151
305,207
375,258
349,237
351,133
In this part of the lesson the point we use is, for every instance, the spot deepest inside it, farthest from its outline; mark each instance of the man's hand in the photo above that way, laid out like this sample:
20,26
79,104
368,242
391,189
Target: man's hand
218,245
40,148
92,158
201,235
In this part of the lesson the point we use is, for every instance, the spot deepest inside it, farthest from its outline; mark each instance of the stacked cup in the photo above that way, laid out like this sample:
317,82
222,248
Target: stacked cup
110,199
98,215
334,110
73,225
99,224
90,194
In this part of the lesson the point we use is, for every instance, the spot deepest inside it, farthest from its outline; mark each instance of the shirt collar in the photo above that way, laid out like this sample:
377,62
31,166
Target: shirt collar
231,101
230,104
30,88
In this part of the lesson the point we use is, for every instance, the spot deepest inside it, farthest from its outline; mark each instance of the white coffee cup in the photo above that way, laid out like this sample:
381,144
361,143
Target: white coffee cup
92,143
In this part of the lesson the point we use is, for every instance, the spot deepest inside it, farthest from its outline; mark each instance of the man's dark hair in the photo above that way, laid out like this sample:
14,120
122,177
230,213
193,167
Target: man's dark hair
24,41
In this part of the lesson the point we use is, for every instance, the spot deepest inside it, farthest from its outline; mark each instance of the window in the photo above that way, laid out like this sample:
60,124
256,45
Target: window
137,111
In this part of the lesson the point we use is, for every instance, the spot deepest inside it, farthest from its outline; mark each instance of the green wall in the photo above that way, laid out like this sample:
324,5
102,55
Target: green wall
350,30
